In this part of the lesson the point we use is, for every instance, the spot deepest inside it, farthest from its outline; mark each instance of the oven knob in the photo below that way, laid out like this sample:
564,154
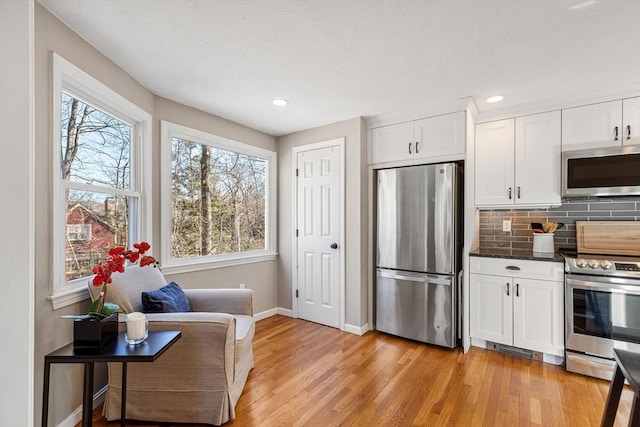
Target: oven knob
582,263
606,264
594,263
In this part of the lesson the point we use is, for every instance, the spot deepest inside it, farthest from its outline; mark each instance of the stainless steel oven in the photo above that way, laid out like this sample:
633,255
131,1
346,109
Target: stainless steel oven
602,295
602,312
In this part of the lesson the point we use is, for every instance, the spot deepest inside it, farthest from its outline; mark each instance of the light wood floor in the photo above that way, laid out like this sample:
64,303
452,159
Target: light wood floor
308,374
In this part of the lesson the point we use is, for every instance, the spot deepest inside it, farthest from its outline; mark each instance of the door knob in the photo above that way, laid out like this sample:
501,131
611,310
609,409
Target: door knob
334,246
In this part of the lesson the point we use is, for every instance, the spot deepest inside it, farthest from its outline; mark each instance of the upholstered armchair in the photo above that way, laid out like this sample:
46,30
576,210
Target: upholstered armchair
200,378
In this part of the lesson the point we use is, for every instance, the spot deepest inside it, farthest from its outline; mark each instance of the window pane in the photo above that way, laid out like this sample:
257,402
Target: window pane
94,223
217,199
96,147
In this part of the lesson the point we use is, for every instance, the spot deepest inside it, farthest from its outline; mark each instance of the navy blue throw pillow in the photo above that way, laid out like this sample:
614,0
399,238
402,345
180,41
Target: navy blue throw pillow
168,299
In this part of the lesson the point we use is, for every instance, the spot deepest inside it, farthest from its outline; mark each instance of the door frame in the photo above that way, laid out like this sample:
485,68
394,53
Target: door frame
340,143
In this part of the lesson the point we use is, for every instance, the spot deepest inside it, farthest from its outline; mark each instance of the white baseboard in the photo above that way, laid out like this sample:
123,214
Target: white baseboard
285,312
352,329
357,330
76,416
272,312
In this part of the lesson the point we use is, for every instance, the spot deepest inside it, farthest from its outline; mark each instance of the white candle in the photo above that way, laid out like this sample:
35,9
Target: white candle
136,326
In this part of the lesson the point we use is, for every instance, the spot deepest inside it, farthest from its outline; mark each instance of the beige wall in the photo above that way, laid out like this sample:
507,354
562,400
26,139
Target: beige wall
51,332
356,216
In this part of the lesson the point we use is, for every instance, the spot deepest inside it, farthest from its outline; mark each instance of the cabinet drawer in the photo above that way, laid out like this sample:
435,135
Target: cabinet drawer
543,270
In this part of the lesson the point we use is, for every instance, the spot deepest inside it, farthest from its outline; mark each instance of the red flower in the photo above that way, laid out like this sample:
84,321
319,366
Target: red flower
118,250
115,262
142,247
147,260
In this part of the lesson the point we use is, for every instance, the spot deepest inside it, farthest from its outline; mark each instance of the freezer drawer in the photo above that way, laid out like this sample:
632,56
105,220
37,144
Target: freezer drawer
417,306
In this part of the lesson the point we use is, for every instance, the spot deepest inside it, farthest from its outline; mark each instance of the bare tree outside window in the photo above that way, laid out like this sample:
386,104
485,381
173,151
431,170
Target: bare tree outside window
95,162
217,201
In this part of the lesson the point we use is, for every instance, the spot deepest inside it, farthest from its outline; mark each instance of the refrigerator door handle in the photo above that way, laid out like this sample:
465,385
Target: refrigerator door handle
422,279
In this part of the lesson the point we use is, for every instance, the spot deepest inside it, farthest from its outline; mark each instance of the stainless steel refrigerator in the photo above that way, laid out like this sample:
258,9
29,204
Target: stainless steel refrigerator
419,246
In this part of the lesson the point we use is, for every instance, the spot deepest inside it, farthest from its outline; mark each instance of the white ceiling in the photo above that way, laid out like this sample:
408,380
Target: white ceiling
339,59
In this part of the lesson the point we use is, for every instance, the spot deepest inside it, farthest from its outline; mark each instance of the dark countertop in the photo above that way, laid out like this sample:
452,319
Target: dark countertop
527,254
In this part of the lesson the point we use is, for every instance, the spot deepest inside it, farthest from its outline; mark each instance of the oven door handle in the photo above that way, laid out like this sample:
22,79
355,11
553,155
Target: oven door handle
615,285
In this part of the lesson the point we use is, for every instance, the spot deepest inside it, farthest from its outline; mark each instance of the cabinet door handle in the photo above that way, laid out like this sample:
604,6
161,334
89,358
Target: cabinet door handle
615,133
512,267
628,131
410,147
518,189
417,147
509,193
507,288
517,289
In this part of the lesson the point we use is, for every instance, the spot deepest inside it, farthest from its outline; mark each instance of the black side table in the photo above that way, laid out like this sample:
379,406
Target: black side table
118,351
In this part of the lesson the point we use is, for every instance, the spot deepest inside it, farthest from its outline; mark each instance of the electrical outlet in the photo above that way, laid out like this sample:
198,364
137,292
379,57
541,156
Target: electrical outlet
506,225
241,285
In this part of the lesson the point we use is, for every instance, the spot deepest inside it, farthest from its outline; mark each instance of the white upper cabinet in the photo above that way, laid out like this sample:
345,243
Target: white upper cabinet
494,154
518,161
607,124
538,159
631,121
392,143
438,138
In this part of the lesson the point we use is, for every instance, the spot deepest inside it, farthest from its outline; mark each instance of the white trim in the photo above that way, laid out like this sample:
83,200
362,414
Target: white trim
272,312
284,312
69,297
399,117
168,130
17,221
197,264
76,416
412,162
372,188
265,314
595,97
470,218
356,330
340,143
69,78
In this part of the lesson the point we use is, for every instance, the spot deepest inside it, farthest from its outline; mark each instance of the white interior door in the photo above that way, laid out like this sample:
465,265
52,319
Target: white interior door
318,242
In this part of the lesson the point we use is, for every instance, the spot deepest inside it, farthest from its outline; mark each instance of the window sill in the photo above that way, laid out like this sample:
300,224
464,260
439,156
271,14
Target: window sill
189,266
69,297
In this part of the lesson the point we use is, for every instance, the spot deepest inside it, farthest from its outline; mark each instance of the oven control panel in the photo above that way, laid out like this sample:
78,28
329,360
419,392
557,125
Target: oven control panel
603,266
627,266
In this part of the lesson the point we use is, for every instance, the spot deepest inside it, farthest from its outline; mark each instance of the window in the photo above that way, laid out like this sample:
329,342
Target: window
99,185
218,200
78,232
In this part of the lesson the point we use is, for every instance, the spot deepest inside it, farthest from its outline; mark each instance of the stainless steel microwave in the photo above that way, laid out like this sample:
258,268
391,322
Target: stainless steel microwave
613,171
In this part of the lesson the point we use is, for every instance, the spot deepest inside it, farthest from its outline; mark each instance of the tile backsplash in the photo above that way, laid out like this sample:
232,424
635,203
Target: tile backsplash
521,236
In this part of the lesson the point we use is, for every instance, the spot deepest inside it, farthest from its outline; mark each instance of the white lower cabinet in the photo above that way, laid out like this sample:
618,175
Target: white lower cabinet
509,308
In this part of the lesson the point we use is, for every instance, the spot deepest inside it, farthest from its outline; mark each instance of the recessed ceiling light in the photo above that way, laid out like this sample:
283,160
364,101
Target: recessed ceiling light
496,98
582,4
279,102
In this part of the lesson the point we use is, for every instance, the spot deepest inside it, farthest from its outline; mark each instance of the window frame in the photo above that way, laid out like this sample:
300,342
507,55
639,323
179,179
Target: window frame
170,130
80,229
66,77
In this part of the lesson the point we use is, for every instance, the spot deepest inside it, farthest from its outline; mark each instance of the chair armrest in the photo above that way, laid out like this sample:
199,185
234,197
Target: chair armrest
190,317
233,301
